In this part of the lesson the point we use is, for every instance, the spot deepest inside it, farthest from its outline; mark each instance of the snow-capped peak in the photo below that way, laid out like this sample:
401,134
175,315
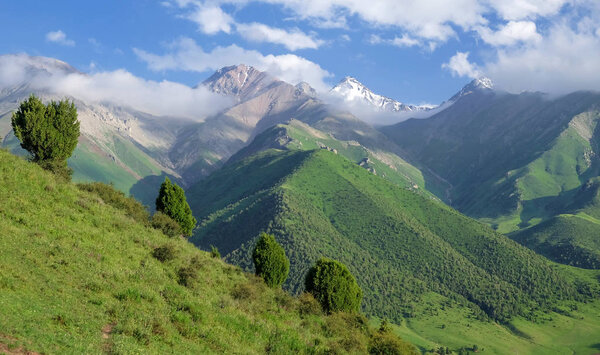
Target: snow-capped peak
483,83
352,90
479,84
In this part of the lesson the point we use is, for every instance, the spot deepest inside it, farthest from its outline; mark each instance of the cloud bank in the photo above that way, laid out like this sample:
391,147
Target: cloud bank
187,55
164,98
563,60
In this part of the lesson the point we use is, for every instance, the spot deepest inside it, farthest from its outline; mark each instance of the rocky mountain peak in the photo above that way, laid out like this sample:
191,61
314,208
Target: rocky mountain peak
241,81
303,88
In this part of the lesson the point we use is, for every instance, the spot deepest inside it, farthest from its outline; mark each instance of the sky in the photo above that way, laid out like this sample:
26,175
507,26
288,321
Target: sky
417,52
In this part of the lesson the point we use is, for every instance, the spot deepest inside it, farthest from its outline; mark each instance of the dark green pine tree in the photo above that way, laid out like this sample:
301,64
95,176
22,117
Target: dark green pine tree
332,284
270,261
172,202
49,132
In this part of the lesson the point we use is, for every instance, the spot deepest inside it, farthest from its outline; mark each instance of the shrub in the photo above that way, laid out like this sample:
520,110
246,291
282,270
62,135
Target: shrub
48,132
166,224
214,252
385,326
189,273
386,343
117,199
270,261
244,291
58,168
164,253
332,284
308,305
172,202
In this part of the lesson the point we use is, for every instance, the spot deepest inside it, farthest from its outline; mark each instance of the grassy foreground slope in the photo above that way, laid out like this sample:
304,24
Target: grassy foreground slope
400,245
78,276
115,161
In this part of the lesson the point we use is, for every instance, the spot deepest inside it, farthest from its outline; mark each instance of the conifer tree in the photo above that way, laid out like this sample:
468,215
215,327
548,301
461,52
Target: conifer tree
172,202
270,261
332,284
48,132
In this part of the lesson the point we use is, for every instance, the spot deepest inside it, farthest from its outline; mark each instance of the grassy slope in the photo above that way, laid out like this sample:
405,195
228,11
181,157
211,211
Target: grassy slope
572,237
498,148
91,163
519,164
575,332
297,135
77,276
399,244
546,185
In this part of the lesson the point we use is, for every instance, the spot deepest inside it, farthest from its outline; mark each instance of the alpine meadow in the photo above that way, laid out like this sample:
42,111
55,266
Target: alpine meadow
381,177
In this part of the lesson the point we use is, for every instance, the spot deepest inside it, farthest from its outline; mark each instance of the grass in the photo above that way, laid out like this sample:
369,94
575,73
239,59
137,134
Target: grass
92,162
78,275
455,327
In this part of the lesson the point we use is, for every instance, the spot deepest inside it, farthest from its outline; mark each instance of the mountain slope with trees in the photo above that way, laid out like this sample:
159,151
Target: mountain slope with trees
515,161
80,273
400,245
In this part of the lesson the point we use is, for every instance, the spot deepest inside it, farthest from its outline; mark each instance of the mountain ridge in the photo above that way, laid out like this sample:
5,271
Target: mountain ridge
352,90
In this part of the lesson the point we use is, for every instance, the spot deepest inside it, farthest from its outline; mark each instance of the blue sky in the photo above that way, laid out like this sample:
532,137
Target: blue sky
413,51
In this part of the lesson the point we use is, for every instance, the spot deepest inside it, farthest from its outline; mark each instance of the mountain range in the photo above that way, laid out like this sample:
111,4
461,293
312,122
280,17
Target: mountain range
448,218
135,150
509,160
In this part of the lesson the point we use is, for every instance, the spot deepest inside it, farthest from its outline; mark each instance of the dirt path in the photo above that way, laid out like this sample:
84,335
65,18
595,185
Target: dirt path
5,349
106,330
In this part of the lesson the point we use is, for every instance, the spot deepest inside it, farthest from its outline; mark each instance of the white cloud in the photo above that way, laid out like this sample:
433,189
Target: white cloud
512,33
459,65
210,19
292,40
120,87
565,60
403,41
427,19
524,9
59,37
187,55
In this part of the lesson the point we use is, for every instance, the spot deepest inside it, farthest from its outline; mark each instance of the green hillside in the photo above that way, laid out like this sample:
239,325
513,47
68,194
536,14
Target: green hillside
296,135
568,239
78,275
572,237
400,245
520,163
128,168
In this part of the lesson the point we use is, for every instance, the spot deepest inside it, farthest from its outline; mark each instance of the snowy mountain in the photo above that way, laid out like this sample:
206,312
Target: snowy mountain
480,84
353,91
